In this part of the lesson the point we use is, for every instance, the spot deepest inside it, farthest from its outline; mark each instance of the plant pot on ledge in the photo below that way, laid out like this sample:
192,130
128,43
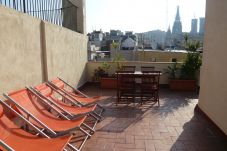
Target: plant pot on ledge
182,85
108,83
188,70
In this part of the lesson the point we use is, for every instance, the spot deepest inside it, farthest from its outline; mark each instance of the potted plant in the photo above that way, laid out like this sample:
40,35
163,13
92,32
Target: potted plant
174,81
101,75
98,73
188,69
107,81
111,81
172,70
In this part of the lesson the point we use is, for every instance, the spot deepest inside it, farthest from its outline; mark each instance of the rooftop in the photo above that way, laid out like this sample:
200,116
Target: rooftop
175,125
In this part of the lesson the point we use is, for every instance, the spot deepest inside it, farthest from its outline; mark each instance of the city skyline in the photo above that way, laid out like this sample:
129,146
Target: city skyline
134,15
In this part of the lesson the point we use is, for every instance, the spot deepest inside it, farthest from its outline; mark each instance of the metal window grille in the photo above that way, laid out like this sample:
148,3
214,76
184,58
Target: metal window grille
59,12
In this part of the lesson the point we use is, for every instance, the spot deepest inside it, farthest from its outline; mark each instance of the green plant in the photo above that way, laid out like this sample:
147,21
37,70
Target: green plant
191,45
106,66
117,59
98,73
115,45
193,60
172,70
191,65
101,71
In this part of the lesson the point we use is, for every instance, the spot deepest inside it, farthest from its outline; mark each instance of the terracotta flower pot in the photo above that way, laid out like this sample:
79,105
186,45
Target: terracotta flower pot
108,83
182,85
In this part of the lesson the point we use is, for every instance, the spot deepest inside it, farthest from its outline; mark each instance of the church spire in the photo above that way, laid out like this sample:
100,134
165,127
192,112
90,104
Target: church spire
169,30
177,26
178,14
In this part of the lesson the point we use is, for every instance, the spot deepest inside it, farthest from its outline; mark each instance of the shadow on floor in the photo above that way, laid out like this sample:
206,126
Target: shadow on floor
122,116
173,100
199,134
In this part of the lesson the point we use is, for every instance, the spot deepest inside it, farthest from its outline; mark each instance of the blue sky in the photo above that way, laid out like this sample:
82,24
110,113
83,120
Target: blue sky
141,15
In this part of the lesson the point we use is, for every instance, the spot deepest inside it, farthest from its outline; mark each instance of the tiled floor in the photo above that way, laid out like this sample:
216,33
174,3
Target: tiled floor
172,126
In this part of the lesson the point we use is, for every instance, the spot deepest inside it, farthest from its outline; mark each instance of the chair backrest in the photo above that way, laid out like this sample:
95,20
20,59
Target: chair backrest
44,89
151,78
125,80
146,69
129,68
57,82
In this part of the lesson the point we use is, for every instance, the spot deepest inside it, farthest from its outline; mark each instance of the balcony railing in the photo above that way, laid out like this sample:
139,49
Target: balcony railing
59,12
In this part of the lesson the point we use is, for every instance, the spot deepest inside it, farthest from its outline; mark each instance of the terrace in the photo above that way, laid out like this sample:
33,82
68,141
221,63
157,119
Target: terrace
38,51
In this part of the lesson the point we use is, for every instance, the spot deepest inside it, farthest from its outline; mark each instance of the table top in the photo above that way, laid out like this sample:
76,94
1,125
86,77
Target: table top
140,73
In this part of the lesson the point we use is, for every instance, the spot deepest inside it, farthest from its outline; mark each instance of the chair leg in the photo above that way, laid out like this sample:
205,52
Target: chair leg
157,97
117,100
134,100
141,98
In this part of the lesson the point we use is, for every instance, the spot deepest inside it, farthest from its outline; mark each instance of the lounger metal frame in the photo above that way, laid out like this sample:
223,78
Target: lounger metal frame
41,132
76,90
6,146
62,90
73,100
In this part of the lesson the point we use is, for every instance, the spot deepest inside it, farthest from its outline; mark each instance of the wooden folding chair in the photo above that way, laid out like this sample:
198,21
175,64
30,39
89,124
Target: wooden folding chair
125,86
129,68
149,87
146,69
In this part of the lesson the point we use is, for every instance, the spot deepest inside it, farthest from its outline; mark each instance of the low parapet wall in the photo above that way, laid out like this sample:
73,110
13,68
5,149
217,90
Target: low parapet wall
159,66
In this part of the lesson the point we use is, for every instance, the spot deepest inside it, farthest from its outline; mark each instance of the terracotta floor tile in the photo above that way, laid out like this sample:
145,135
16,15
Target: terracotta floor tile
140,143
127,146
174,126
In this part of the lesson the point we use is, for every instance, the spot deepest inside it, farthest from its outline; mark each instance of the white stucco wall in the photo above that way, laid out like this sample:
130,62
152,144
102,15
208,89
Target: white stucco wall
66,53
33,51
213,92
20,55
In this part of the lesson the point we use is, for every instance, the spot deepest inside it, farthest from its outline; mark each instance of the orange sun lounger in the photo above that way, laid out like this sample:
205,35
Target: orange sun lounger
13,138
47,94
27,105
77,95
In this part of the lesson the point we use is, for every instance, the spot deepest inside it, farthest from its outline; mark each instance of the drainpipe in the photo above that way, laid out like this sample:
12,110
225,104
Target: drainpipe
43,52
24,6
